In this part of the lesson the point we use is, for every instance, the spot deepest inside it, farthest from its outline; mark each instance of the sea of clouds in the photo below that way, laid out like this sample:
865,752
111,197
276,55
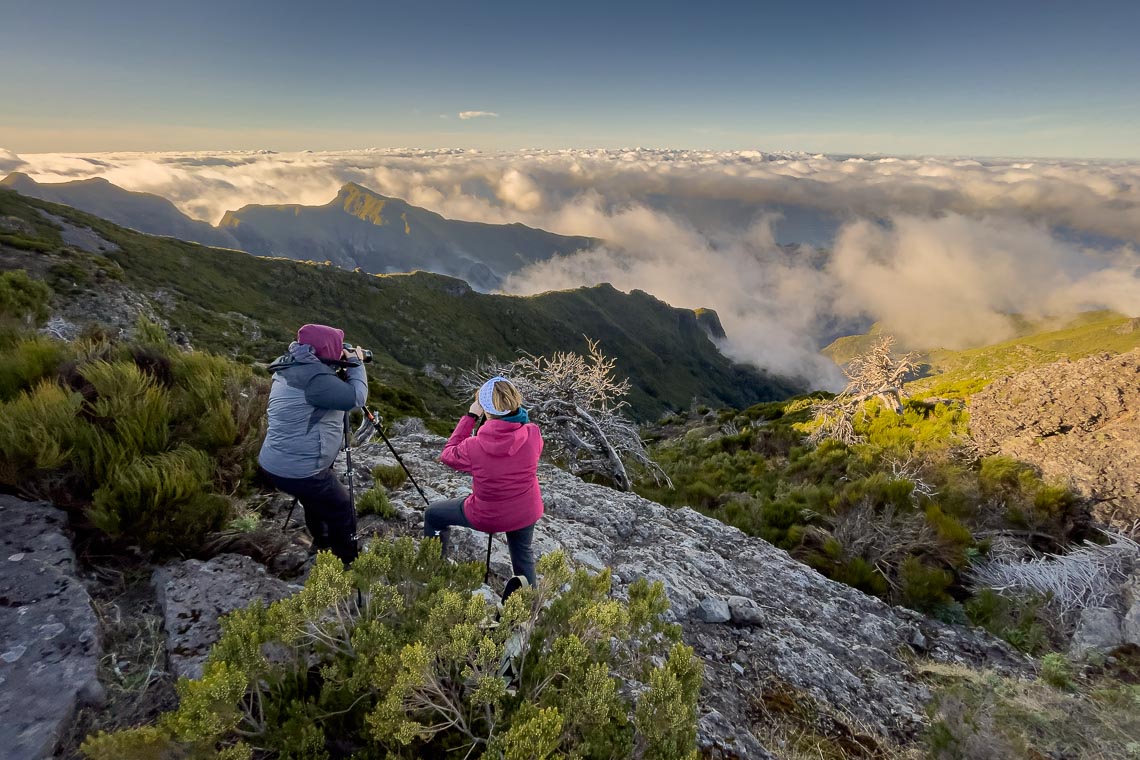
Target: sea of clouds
939,250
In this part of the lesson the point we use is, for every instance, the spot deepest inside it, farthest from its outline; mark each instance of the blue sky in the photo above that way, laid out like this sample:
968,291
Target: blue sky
992,78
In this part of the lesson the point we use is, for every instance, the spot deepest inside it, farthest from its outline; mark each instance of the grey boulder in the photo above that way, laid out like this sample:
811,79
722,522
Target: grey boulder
49,633
193,595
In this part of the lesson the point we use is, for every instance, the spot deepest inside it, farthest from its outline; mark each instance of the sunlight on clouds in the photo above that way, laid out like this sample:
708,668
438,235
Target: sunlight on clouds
939,250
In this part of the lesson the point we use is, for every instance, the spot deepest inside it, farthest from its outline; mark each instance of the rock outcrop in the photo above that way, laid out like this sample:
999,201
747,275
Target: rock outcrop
766,626
1079,422
194,594
759,619
49,633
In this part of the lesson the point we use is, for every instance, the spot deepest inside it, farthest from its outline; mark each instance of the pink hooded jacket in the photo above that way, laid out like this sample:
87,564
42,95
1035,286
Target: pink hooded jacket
503,461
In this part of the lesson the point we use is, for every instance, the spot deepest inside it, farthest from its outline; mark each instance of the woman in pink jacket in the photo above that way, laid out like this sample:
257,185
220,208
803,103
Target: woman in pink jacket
503,460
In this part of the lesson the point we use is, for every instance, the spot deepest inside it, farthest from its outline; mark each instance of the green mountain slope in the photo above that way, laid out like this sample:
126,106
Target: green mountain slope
421,325
1036,343
145,212
1087,334
361,228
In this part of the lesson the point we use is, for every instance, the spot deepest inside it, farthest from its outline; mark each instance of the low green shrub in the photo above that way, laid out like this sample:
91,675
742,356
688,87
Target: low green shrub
1018,621
1057,671
924,588
909,490
22,299
398,658
27,362
162,501
143,439
389,475
375,501
38,430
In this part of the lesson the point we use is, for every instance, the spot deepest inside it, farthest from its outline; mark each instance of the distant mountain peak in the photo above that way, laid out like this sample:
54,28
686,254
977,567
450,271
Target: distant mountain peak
369,205
15,180
145,212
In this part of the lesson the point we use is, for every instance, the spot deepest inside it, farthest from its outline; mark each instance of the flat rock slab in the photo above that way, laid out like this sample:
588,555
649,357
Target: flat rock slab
49,633
192,595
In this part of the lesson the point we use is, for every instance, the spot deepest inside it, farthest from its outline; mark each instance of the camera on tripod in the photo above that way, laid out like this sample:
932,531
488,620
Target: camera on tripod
367,354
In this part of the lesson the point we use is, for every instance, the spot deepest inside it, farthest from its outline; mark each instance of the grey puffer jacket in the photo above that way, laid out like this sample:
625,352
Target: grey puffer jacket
307,404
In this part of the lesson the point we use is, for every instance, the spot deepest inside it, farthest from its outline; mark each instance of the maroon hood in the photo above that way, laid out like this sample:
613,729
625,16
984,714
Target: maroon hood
327,342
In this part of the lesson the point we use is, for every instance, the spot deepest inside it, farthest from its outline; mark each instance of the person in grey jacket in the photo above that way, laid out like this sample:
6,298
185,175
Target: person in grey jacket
308,402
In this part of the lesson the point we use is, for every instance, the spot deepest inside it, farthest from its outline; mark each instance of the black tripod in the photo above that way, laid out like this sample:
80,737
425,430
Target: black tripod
374,423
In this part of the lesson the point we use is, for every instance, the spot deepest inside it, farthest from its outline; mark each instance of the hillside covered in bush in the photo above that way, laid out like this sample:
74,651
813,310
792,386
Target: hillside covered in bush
424,328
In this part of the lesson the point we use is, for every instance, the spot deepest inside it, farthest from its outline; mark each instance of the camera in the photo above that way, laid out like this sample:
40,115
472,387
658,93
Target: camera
367,354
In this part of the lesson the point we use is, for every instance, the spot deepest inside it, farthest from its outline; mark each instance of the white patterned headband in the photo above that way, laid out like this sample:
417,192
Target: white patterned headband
487,395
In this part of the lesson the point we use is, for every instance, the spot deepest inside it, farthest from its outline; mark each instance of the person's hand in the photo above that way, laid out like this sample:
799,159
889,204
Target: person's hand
357,354
476,408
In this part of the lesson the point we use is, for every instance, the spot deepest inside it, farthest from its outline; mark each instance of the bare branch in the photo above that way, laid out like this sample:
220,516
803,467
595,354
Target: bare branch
578,402
877,374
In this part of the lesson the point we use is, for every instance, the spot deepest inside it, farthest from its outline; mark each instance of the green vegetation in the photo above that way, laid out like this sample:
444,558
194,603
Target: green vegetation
397,658
375,501
984,715
957,374
145,441
23,301
389,475
237,304
900,515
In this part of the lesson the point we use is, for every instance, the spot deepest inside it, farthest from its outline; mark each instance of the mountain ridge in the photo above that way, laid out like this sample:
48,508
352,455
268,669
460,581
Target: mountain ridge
361,228
146,212
358,228
424,327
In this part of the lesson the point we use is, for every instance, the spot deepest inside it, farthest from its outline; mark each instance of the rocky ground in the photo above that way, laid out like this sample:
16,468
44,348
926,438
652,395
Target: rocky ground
765,625
771,631
49,634
1079,422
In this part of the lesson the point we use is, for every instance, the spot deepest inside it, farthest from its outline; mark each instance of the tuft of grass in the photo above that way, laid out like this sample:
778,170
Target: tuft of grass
979,714
391,476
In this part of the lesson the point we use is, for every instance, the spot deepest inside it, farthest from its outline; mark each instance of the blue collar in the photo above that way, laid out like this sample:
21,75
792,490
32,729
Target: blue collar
519,415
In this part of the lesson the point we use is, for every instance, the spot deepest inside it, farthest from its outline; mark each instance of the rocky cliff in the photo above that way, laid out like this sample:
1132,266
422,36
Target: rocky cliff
1078,421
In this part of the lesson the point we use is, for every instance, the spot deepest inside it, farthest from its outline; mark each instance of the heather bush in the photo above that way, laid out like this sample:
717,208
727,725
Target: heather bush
162,501
23,301
398,658
901,514
26,362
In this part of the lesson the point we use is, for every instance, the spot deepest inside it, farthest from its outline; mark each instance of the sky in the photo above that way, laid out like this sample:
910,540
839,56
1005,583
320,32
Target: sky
1044,79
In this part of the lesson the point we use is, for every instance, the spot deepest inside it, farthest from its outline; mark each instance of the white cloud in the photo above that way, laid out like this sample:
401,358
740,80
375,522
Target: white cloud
9,161
465,115
941,250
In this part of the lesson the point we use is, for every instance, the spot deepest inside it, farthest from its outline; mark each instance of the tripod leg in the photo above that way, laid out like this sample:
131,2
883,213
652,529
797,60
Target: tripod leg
289,517
487,572
406,470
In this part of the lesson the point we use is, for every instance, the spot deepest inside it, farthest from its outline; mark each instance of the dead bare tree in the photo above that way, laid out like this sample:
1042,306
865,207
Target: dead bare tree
877,374
579,404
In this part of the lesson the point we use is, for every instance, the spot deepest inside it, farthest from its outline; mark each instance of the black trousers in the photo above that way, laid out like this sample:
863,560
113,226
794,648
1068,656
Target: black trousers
329,514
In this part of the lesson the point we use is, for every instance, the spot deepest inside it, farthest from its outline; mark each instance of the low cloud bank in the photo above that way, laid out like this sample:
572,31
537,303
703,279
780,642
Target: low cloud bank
940,250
